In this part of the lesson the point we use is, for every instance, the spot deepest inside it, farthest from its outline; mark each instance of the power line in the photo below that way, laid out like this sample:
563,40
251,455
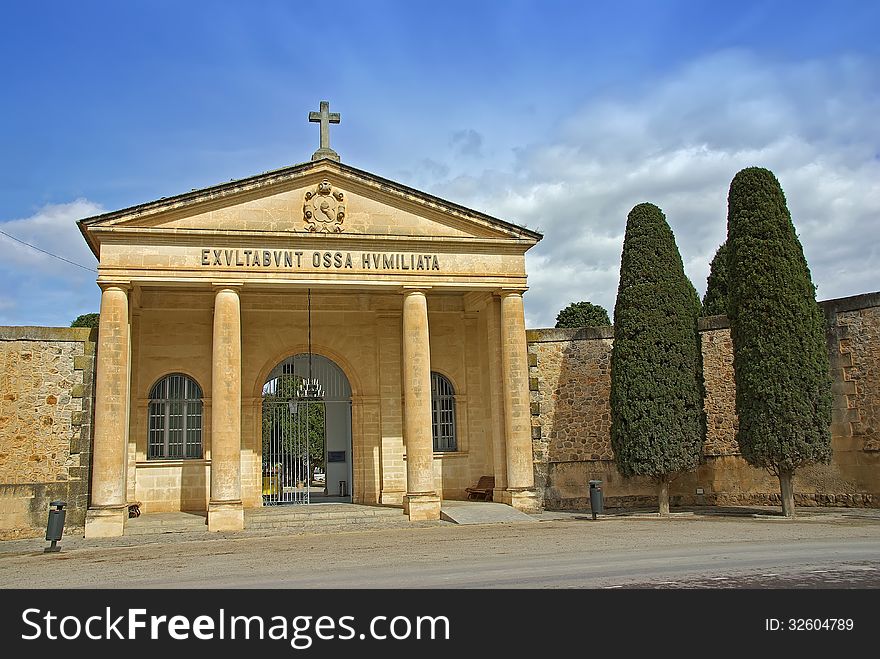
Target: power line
54,256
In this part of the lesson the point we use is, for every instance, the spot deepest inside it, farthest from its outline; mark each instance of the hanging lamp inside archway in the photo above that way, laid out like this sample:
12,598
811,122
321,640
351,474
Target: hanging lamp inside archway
309,388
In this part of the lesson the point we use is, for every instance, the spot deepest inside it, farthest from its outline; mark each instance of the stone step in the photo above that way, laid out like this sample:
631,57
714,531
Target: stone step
320,515
327,525
322,511
325,518
166,523
317,517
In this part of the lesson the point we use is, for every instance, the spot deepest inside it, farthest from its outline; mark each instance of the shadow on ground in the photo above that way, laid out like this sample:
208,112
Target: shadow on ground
702,511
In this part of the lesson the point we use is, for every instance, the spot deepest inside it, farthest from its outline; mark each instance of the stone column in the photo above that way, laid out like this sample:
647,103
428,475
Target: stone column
391,448
517,420
421,501
225,511
107,509
496,397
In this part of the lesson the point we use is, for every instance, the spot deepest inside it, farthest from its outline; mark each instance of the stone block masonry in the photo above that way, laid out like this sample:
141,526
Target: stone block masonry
46,401
570,382
854,348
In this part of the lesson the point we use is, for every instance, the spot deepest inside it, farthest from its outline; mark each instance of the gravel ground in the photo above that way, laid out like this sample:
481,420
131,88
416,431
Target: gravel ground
691,549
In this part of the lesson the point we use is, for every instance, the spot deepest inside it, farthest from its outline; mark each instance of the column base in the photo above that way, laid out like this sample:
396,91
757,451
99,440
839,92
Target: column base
525,500
106,522
225,516
422,507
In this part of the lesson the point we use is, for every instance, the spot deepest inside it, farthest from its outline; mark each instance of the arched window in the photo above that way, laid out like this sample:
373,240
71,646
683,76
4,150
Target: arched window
443,413
175,418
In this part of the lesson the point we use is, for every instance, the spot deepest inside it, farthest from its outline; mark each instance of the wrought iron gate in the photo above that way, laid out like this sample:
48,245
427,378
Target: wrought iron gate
293,443
294,428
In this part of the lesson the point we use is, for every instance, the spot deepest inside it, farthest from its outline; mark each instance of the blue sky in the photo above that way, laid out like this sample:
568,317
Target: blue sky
560,116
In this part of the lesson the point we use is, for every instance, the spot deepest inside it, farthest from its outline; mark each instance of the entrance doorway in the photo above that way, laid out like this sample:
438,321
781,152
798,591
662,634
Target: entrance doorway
306,440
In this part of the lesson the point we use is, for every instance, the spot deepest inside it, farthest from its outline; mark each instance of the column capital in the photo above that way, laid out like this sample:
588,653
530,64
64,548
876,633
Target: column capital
222,285
122,284
411,290
508,292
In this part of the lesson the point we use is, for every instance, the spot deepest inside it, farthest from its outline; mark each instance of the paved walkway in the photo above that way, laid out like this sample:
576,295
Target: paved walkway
320,520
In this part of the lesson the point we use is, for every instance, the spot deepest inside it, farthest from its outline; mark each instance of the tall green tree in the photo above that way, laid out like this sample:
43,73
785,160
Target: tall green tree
582,314
657,418
715,299
86,320
780,360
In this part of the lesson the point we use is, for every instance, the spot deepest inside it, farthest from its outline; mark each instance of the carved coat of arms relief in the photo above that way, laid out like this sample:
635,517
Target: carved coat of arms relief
323,209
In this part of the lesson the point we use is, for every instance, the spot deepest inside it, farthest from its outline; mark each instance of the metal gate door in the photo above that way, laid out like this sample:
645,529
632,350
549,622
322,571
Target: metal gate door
293,441
295,428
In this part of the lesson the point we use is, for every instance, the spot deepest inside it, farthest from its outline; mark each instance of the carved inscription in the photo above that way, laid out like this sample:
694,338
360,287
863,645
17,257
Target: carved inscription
297,259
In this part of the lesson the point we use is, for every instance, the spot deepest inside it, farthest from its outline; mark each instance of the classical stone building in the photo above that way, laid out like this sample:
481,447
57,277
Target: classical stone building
224,310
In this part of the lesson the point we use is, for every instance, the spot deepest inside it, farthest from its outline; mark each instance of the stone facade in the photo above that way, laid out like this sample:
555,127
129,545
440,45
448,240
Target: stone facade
46,400
362,334
570,379
222,285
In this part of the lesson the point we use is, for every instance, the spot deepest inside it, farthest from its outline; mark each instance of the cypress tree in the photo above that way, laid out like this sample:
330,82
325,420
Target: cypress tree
657,418
582,314
715,299
780,360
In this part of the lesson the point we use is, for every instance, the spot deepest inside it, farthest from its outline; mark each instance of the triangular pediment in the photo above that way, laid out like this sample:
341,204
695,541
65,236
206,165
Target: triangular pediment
317,197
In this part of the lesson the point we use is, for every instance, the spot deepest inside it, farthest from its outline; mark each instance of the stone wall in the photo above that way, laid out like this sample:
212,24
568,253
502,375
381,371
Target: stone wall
854,345
721,419
569,379
46,399
570,382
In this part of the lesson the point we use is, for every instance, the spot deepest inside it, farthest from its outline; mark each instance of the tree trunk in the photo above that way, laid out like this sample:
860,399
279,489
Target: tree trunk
663,495
787,493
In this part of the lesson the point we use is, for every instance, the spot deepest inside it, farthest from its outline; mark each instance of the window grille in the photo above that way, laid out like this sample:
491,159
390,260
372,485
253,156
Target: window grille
443,413
175,419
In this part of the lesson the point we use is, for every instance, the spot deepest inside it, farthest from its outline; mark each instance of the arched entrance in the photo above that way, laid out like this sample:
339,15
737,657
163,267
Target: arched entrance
306,439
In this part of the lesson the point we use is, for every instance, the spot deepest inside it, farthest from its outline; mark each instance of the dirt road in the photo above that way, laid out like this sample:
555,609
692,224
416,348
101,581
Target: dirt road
575,552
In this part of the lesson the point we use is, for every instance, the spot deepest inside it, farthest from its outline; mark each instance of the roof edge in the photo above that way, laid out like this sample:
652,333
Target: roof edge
231,186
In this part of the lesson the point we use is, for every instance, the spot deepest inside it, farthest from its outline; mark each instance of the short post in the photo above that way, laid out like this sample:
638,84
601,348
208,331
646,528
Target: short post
597,505
55,525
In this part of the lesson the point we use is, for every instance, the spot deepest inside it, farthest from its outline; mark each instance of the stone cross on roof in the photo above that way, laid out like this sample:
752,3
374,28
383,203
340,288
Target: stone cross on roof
325,118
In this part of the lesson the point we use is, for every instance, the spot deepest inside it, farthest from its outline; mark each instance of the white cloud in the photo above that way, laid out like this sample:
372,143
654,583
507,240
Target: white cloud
42,290
467,142
678,142
52,228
